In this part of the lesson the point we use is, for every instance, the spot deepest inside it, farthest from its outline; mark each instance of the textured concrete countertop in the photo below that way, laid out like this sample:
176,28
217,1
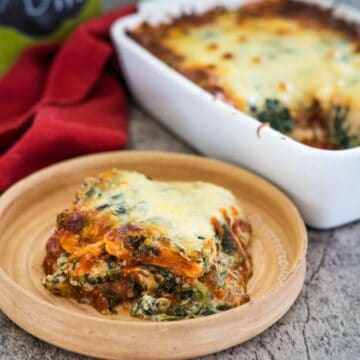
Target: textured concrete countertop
324,322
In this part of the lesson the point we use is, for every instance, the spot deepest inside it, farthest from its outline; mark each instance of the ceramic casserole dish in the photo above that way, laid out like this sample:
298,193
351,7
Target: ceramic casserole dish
323,183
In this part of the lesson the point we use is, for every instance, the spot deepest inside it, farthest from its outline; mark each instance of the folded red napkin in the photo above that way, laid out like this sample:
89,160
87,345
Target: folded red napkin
60,101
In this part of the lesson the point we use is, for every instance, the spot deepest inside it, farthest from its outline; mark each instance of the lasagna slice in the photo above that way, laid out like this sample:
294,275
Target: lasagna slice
162,250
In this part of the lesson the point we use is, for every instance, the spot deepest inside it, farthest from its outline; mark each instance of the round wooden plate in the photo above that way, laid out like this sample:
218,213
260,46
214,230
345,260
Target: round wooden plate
27,218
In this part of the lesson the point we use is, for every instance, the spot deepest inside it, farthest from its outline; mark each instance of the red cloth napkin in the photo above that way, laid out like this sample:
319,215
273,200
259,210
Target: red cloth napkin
60,101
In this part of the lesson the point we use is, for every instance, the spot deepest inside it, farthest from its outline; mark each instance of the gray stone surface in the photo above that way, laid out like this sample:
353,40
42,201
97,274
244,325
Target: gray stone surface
324,322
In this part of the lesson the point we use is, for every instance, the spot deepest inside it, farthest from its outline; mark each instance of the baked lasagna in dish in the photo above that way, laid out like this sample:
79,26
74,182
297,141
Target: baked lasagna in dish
162,250
294,66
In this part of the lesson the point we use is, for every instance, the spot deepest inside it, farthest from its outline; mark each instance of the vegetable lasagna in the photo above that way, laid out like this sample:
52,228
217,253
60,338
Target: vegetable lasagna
161,250
294,66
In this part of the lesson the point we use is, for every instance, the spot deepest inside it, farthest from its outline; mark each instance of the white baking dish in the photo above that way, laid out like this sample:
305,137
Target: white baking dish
325,184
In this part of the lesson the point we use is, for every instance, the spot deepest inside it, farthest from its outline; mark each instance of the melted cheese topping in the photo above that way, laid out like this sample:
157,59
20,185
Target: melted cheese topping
275,57
179,211
258,59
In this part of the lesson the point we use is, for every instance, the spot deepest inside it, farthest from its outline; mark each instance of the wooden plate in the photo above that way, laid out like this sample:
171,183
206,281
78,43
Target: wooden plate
27,218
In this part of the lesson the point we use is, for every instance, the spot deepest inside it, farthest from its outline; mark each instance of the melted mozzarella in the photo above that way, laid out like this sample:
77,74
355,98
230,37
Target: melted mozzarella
181,211
274,58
